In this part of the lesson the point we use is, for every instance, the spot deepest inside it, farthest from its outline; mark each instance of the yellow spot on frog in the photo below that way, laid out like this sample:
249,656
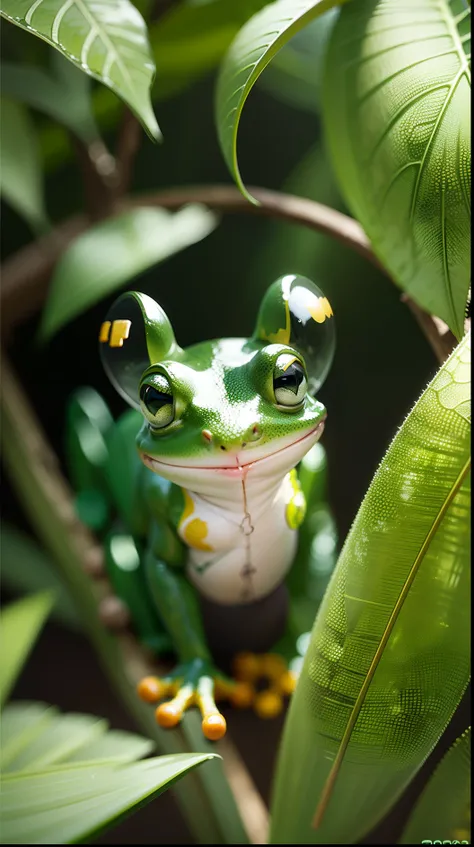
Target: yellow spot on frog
196,530
104,332
194,534
120,331
296,508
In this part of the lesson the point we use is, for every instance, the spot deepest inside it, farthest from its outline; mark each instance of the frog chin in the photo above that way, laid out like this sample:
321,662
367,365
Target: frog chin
260,462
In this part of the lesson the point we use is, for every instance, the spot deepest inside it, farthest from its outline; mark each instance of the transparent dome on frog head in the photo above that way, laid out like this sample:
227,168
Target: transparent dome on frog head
295,311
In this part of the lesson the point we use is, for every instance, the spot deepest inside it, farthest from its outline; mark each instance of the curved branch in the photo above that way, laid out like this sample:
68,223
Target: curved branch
26,274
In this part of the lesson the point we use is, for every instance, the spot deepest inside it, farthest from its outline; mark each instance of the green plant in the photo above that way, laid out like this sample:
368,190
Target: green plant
65,778
371,703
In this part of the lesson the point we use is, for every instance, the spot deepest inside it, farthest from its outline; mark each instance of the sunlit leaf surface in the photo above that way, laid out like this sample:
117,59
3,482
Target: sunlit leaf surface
20,170
389,657
105,38
396,103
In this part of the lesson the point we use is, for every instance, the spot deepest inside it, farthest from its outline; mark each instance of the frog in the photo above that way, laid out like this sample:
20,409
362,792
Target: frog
205,493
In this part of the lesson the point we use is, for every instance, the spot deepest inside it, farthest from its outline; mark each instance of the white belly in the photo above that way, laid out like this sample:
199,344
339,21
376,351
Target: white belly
231,563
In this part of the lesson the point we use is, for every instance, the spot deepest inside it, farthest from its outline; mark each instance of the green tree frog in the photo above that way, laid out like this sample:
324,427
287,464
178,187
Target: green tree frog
207,501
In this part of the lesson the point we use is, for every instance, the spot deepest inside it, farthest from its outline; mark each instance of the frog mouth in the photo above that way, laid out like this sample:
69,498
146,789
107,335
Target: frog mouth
239,466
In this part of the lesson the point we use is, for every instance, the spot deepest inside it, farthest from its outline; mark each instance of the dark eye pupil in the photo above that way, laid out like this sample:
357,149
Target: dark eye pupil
291,379
153,399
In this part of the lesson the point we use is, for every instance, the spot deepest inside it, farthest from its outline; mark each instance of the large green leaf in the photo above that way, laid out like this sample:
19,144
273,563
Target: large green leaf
25,568
113,252
20,171
63,93
20,624
443,812
85,788
105,38
389,657
251,51
396,103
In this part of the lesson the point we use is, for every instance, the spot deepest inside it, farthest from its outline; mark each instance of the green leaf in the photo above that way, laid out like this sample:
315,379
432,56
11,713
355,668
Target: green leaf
20,624
443,812
294,77
64,95
396,102
107,40
93,787
20,170
255,45
389,657
25,568
114,252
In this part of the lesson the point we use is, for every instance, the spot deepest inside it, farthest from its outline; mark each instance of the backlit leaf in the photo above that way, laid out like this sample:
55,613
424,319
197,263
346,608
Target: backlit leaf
249,54
20,624
105,38
93,787
396,103
389,657
443,812
20,169
113,252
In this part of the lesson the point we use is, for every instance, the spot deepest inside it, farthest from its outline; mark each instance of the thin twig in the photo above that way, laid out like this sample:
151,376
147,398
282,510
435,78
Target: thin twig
130,135
26,274
48,503
100,178
438,334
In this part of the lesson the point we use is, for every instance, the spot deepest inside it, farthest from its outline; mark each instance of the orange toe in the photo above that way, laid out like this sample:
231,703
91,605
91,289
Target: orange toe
150,689
168,715
268,704
242,695
214,727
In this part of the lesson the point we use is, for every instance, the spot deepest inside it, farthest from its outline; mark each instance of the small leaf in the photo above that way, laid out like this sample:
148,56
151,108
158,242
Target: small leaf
20,169
27,569
60,738
20,624
443,811
64,97
114,252
396,103
107,40
93,787
251,51
389,657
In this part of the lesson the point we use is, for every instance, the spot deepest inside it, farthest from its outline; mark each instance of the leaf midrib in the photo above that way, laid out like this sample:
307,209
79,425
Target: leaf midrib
334,772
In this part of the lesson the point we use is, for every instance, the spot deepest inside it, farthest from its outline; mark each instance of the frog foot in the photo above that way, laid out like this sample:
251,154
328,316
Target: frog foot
252,669
194,683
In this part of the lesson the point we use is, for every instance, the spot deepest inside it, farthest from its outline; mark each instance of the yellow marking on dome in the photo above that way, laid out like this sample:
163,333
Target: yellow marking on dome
327,307
282,335
296,508
195,533
120,331
317,311
104,332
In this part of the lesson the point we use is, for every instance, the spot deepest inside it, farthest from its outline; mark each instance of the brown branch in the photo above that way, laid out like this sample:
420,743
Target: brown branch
130,135
437,333
100,177
48,502
26,274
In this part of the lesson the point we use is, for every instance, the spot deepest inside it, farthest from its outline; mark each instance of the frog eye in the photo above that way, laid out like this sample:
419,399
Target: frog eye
157,401
289,381
295,312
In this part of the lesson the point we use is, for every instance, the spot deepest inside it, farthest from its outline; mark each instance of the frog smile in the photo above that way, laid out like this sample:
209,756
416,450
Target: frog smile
233,470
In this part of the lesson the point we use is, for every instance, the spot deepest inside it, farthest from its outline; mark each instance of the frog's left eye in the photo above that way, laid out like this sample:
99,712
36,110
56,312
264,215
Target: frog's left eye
289,381
157,401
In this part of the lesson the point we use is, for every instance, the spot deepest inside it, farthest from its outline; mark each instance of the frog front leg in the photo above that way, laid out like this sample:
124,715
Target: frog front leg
193,680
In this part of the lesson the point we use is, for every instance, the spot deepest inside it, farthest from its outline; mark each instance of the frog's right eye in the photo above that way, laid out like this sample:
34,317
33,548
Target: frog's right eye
157,401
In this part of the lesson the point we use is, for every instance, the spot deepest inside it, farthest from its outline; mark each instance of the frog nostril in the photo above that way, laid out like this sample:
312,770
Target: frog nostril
223,448
207,435
254,433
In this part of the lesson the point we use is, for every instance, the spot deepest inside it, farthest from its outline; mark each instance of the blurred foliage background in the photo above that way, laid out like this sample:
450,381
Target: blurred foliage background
213,289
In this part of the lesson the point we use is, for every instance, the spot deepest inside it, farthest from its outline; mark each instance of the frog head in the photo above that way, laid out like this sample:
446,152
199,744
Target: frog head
230,406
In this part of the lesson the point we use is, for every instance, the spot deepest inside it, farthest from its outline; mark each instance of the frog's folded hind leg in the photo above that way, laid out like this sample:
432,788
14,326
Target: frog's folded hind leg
124,569
88,423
